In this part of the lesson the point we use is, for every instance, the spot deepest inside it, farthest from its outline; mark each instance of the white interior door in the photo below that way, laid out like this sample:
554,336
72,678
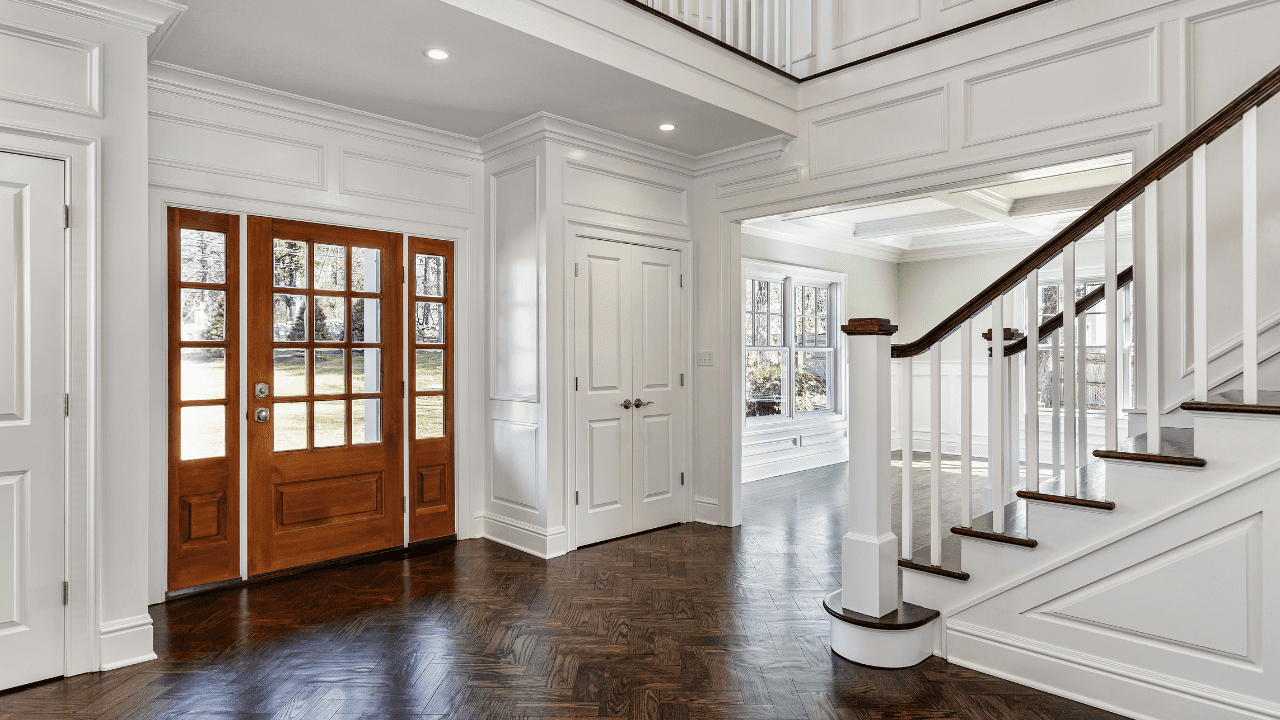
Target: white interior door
630,419
32,427
659,427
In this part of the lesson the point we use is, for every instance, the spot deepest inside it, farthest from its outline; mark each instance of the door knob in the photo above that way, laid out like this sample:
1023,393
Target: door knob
262,415
640,403
626,404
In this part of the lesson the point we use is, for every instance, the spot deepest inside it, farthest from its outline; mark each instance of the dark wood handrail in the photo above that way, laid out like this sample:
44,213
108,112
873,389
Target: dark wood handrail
1124,277
1132,188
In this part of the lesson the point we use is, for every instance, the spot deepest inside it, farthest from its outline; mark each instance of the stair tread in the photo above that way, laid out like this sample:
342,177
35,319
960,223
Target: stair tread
950,567
1177,447
1232,401
1015,526
1090,488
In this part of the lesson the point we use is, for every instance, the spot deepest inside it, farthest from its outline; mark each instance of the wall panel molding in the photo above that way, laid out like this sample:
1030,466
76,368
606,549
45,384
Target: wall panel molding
515,305
396,180
219,146
60,72
596,188
889,132
886,17
997,106
515,464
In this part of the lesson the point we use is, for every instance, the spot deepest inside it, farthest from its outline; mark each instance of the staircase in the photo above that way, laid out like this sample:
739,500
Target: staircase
1138,577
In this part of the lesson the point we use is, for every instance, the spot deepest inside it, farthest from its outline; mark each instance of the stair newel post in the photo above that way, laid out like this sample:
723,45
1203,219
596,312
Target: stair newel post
1151,313
935,455
1032,362
995,436
1069,453
1111,290
869,548
966,424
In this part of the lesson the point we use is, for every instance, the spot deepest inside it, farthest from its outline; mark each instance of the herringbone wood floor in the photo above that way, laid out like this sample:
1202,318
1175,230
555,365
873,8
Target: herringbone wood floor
692,621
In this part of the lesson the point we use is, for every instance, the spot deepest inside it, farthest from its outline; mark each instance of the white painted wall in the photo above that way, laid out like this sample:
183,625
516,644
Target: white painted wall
222,146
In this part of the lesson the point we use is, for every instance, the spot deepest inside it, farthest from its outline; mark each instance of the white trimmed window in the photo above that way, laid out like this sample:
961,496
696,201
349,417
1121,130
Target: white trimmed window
789,348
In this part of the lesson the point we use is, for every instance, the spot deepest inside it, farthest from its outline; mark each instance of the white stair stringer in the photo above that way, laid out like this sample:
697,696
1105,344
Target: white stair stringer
1157,609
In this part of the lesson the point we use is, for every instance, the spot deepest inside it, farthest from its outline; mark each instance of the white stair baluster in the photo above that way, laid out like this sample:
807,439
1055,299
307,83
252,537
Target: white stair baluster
904,429
935,455
1055,399
1151,313
1111,320
1200,271
995,436
1082,390
1032,362
966,424
1069,369
1249,252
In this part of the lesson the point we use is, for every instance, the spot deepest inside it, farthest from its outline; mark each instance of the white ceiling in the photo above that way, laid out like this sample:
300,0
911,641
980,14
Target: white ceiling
368,56
1001,215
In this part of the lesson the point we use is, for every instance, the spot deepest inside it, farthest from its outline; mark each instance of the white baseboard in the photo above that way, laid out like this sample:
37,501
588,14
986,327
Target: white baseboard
783,466
706,510
1120,688
544,543
125,642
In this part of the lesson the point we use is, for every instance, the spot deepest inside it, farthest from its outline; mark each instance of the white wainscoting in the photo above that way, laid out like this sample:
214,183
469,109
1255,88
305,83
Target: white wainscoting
515,313
629,195
399,180
193,144
793,447
908,127
55,71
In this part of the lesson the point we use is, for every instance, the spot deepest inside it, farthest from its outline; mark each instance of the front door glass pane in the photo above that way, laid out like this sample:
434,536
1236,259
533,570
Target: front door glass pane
289,318
204,256
430,370
290,372
366,270
366,370
330,319
330,372
330,268
430,274
429,322
366,319
430,416
289,263
366,421
203,314
290,420
203,373
331,423
203,432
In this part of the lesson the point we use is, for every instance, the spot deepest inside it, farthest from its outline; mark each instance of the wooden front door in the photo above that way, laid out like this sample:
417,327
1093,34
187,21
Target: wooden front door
430,384
325,413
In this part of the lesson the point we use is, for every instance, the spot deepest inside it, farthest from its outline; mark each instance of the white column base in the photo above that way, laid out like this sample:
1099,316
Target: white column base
870,566
879,648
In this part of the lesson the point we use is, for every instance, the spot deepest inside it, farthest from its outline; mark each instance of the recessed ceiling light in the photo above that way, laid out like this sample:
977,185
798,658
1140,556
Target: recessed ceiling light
666,127
437,54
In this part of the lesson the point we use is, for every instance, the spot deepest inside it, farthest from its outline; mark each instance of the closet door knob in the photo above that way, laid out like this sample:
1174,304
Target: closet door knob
626,404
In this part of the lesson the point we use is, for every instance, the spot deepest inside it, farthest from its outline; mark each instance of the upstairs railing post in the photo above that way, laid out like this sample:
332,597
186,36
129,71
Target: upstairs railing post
869,548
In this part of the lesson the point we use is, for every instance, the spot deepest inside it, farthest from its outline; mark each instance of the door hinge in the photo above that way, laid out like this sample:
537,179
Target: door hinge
681,279
66,593
66,404
575,269
681,379
404,384
575,497
402,275
575,384
681,478
404,505
66,216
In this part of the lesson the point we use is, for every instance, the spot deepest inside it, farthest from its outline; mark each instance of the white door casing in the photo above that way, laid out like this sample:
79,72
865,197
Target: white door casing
627,340
33,380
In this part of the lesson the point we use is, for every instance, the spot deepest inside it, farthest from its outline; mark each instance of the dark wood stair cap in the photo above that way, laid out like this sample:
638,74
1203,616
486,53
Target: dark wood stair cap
1010,334
1090,489
1232,401
1177,447
906,617
1015,527
869,326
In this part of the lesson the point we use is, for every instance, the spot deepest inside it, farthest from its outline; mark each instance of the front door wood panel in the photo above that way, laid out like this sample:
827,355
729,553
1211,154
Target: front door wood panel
430,383
204,402
325,338
628,328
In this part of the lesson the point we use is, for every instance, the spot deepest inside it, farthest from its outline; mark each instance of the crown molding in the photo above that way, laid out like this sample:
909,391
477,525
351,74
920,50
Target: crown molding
148,17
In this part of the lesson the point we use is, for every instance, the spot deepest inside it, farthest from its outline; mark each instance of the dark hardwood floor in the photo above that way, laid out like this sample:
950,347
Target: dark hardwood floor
691,621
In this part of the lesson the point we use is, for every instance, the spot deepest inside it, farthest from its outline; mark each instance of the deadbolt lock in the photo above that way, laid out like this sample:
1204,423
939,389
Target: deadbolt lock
261,390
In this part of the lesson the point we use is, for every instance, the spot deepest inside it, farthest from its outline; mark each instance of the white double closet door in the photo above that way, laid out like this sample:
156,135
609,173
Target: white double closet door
33,372
628,330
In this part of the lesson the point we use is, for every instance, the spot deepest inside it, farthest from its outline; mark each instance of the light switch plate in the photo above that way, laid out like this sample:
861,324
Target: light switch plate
706,358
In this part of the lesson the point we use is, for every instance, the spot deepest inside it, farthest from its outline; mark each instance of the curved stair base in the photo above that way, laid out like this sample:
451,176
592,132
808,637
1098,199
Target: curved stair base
887,642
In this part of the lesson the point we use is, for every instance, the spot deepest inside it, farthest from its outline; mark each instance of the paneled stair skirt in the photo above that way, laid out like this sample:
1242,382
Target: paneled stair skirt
900,639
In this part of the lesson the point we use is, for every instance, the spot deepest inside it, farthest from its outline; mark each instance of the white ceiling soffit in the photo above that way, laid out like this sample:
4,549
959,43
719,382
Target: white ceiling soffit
369,57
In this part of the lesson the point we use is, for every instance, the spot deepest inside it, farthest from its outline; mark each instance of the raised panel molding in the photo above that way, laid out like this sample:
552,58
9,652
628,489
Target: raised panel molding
595,188
432,491
15,329
860,19
395,180
901,129
54,71
515,307
1245,24
515,464
790,176
190,144
1059,90
1204,594
311,503
15,509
